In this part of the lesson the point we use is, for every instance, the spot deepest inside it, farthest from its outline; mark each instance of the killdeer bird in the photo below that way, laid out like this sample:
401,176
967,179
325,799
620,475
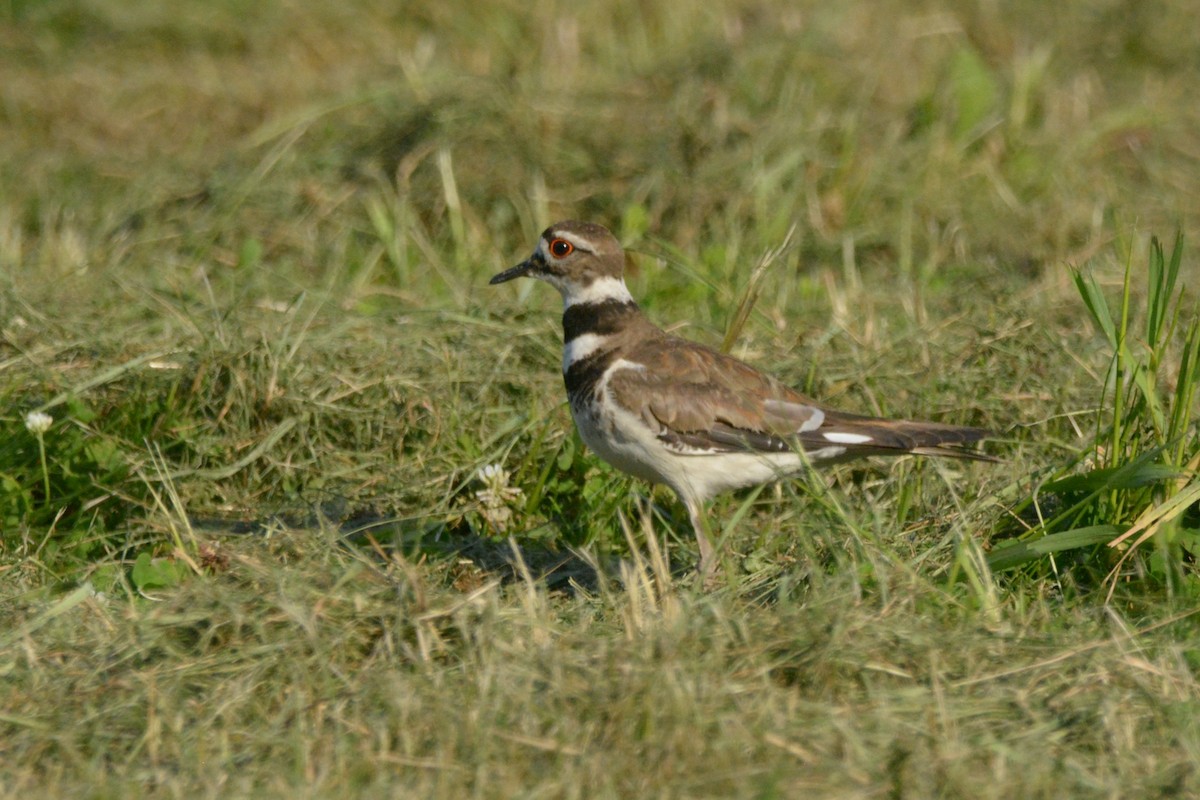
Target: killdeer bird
676,412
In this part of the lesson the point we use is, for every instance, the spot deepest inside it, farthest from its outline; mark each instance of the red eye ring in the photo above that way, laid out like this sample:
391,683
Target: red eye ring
561,248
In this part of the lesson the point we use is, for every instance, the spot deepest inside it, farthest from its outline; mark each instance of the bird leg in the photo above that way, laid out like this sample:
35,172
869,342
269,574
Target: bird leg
708,555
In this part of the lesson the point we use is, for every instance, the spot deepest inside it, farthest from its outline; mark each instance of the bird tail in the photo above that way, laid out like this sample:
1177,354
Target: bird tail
869,436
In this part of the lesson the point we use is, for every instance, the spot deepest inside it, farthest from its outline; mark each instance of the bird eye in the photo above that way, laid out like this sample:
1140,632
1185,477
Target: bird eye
561,248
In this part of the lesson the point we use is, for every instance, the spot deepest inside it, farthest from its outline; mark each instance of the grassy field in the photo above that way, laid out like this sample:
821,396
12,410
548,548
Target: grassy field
244,252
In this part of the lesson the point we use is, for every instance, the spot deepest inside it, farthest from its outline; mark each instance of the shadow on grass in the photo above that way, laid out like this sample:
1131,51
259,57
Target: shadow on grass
473,558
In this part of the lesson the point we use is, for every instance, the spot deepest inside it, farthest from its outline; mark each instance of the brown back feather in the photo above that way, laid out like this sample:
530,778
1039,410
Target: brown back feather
703,399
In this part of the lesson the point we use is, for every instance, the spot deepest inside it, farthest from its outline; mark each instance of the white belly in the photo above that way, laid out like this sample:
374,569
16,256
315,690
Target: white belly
624,441
629,448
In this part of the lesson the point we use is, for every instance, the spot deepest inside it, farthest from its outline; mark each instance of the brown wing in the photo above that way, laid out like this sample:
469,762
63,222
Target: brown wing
701,401
704,401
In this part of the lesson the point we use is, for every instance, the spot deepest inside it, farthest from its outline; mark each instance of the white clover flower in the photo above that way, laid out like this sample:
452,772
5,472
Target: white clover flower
38,422
494,477
496,496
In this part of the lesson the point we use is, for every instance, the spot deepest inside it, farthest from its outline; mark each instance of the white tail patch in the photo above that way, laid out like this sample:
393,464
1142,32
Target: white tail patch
598,291
581,347
824,453
841,437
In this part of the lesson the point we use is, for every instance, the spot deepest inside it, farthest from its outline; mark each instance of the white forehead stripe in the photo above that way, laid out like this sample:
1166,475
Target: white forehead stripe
600,290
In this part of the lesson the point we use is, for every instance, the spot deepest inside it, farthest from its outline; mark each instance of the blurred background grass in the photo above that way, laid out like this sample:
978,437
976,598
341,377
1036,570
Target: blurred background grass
243,262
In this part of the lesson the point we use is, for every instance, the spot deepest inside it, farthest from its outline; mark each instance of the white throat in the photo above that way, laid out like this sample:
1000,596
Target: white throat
598,291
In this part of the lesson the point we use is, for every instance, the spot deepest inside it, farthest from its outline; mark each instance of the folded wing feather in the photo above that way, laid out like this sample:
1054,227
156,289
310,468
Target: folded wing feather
701,401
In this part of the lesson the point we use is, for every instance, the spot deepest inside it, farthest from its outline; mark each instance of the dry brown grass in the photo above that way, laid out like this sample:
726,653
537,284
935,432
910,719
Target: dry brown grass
243,254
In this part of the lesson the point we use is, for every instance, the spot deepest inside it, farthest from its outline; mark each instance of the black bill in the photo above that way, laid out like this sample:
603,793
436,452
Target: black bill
516,272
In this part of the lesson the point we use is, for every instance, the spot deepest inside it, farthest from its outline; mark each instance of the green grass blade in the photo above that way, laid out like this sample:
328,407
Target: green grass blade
1097,306
1134,475
1162,277
1147,385
1157,300
1007,556
1183,404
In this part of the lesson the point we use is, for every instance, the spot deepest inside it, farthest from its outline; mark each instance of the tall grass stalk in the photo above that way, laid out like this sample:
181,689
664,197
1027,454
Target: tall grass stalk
1139,477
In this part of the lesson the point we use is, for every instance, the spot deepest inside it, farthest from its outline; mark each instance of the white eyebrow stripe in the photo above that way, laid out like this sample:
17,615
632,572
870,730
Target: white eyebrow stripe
576,242
579,244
